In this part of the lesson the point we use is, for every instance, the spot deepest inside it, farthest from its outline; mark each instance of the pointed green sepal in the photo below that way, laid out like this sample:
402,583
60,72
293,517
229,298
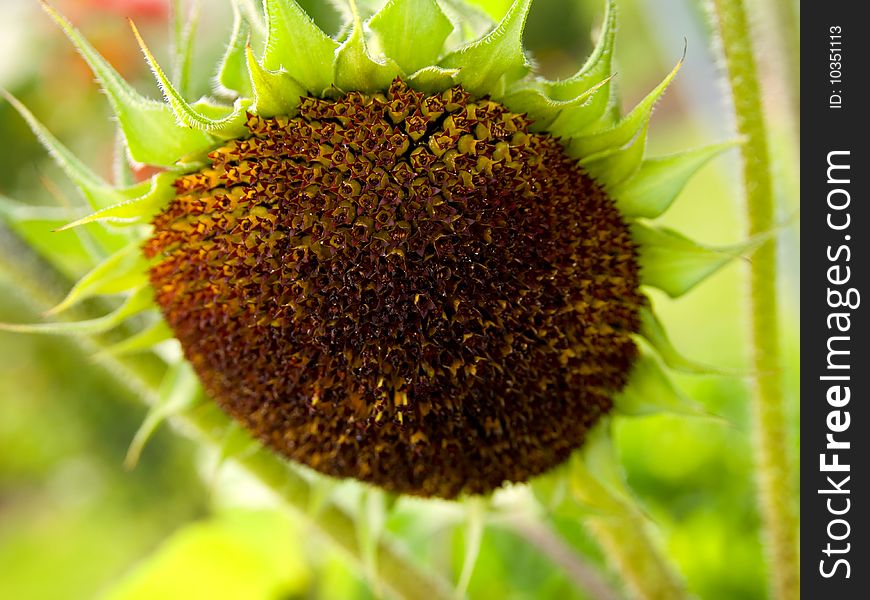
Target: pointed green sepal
546,112
355,69
541,109
629,131
578,118
230,124
150,129
433,80
597,70
596,478
597,67
297,46
675,264
659,181
495,60
179,391
411,32
615,166
139,209
653,332
217,111
142,341
233,78
122,271
138,301
275,92
612,115
650,391
183,35
97,191
223,122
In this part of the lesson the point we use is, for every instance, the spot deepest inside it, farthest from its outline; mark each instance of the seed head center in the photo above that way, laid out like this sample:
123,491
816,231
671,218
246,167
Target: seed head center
408,289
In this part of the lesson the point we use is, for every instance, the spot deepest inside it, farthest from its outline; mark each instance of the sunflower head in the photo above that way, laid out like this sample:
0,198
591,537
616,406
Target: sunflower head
406,288
400,255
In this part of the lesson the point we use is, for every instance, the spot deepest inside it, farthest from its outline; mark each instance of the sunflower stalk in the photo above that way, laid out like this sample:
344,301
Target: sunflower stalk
584,574
619,524
627,541
772,445
40,285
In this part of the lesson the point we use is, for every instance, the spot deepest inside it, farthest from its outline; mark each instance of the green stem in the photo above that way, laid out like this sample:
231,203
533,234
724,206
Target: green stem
584,575
619,525
398,576
773,450
628,543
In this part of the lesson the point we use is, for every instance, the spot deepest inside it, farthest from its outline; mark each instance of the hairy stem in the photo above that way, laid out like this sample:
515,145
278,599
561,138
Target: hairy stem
619,525
629,545
773,450
399,577
584,575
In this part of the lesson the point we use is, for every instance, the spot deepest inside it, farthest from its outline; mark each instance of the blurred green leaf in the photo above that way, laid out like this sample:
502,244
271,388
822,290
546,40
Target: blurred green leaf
255,555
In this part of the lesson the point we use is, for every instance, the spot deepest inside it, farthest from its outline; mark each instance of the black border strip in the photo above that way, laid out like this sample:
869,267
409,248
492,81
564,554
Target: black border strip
835,371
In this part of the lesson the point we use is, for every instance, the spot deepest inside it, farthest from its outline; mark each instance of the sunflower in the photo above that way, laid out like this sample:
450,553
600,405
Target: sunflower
397,254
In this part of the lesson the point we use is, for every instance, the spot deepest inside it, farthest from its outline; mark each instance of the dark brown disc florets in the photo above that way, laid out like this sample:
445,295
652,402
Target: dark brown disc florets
410,290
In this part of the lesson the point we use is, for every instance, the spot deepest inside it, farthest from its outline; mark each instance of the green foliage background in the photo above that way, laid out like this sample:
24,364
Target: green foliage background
75,524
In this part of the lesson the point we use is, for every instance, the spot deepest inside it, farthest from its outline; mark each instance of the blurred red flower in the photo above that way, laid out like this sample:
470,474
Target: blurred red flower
136,9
